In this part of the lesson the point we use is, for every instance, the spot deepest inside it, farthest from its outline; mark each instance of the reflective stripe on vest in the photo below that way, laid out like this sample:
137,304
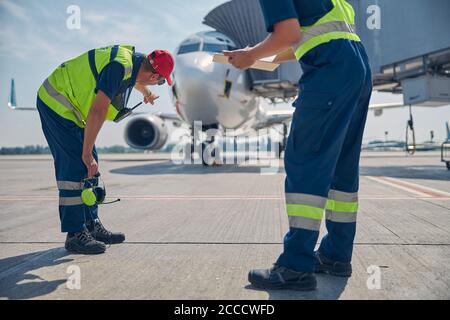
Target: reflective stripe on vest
336,24
70,89
128,71
62,100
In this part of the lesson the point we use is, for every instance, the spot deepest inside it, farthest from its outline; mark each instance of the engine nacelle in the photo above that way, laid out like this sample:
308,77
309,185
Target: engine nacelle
146,133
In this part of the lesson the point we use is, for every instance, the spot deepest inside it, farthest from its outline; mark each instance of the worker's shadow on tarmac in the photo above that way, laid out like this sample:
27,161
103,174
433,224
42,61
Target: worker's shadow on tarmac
17,281
168,167
328,288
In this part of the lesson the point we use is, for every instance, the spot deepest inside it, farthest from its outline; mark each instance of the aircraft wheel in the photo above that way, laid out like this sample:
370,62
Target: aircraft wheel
204,146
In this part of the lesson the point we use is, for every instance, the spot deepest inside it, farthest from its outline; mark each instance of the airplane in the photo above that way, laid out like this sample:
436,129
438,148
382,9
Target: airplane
378,145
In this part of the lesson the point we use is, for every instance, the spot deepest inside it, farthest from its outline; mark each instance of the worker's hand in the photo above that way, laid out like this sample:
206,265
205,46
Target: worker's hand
150,97
91,164
241,59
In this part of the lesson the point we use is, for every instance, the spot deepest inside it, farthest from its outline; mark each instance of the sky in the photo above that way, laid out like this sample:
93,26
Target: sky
35,39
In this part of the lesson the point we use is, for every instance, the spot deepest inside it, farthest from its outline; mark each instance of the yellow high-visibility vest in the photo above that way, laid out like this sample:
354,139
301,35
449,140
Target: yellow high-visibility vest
70,89
339,23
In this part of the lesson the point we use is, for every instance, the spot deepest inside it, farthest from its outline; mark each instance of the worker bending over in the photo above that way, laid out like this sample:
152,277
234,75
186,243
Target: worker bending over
73,102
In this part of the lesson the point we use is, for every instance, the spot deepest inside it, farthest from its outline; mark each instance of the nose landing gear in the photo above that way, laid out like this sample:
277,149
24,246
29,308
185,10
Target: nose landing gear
206,149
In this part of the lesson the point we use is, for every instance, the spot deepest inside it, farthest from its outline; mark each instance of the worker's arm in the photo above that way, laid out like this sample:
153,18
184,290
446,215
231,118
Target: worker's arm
148,95
286,34
94,122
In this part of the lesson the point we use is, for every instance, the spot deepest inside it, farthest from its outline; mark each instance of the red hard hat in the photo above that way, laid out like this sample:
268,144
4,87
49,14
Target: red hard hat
163,63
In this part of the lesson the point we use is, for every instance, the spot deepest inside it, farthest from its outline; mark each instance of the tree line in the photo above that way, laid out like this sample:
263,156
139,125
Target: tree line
38,149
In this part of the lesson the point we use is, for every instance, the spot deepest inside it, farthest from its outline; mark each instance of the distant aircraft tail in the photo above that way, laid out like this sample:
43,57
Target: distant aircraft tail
448,131
12,102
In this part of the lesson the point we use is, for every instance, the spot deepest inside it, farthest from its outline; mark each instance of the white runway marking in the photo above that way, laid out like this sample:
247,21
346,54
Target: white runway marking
413,188
215,198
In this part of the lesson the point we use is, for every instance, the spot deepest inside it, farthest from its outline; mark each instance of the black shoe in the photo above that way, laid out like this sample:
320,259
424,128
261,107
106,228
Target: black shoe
82,242
99,232
335,268
282,278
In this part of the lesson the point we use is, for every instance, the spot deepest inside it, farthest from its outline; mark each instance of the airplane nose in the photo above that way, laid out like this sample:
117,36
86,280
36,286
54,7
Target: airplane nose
196,86
192,70
195,65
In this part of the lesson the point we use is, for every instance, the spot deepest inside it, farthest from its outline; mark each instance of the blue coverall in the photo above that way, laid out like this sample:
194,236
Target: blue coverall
65,140
324,143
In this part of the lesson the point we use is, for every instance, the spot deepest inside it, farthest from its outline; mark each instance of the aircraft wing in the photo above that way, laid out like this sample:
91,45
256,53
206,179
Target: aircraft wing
171,117
275,117
390,105
378,108
284,116
168,116
12,102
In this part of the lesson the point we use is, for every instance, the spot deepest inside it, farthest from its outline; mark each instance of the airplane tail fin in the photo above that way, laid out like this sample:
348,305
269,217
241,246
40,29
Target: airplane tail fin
448,131
12,102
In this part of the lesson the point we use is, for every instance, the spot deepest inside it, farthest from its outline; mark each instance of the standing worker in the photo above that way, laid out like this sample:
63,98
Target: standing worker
324,144
73,102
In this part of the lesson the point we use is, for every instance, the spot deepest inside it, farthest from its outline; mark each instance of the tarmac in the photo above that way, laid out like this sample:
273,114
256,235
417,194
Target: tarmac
193,232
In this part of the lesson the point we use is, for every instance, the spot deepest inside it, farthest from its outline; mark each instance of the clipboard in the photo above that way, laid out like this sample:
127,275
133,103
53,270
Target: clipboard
267,64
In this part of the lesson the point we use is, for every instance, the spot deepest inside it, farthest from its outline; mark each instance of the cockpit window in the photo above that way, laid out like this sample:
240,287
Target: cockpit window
193,47
216,47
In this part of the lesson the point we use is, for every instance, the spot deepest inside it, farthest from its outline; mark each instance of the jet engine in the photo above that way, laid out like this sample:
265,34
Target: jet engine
146,133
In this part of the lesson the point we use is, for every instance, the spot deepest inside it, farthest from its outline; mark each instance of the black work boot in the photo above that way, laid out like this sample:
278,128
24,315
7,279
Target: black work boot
335,268
282,278
99,232
82,242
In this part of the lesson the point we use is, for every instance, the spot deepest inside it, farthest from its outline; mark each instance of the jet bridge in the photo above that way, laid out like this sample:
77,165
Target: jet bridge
408,45
407,42
243,22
